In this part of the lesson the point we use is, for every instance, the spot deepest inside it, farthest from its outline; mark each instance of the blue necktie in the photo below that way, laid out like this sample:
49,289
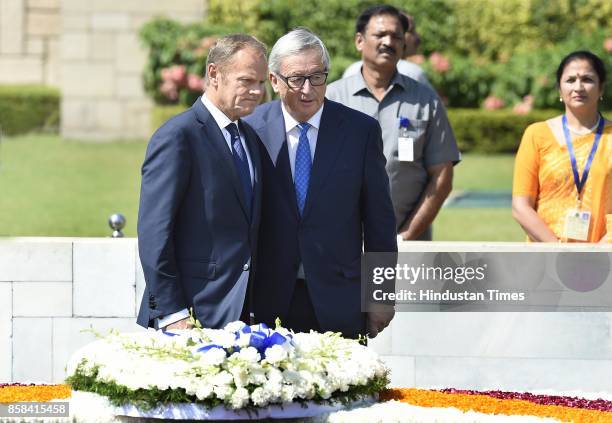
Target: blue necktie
242,165
303,163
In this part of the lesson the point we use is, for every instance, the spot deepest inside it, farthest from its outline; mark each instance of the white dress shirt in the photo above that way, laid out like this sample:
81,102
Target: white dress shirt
293,134
293,139
222,121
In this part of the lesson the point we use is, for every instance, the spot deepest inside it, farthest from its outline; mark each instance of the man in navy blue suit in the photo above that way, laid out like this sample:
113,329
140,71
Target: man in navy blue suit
325,194
200,199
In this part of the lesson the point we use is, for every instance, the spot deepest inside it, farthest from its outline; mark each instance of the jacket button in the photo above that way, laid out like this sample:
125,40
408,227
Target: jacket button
245,267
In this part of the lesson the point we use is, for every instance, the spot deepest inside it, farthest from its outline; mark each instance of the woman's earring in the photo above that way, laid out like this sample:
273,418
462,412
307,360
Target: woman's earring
560,100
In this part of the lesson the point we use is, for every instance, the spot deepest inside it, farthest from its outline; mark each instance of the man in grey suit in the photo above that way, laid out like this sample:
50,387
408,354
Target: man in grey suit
201,197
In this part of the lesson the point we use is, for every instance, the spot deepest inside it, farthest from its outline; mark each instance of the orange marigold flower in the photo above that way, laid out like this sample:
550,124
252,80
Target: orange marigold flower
490,405
40,393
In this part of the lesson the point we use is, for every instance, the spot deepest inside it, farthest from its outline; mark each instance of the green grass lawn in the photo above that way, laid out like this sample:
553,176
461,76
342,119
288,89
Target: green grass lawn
52,187
480,173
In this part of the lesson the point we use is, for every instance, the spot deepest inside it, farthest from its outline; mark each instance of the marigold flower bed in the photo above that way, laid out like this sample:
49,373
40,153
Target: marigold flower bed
16,392
575,402
568,409
482,403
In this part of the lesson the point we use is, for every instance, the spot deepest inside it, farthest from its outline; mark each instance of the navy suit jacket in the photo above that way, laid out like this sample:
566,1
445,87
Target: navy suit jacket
348,205
196,239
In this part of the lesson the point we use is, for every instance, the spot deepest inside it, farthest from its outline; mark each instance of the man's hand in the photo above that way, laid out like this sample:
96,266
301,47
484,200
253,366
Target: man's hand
181,324
377,321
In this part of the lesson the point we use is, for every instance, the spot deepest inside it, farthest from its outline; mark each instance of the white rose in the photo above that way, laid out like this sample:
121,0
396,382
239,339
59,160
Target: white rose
223,392
212,357
240,398
234,326
275,354
259,397
204,391
249,355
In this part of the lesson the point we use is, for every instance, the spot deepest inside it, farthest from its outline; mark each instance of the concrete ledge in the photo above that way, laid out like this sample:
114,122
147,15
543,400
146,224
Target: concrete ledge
42,299
6,332
28,261
32,357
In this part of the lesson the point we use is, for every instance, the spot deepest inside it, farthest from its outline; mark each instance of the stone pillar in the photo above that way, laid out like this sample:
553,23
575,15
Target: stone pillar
102,61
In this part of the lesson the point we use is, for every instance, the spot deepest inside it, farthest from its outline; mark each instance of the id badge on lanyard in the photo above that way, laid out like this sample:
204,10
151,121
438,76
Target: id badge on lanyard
405,144
578,220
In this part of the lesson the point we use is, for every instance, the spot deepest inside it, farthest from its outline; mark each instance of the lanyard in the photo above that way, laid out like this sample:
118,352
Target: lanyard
580,182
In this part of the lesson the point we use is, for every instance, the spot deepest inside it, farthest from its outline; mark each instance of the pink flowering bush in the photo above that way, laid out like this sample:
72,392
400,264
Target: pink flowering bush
439,62
493,103
525,106
174,72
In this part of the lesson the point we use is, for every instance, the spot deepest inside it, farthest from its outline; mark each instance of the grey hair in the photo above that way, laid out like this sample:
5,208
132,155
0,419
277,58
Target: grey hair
294,42
226,47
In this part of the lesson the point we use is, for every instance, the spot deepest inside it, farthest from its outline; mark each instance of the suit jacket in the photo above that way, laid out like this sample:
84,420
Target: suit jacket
197,241
348,205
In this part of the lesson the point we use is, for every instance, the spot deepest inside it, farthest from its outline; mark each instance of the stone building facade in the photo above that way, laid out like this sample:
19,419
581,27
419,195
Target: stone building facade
90,50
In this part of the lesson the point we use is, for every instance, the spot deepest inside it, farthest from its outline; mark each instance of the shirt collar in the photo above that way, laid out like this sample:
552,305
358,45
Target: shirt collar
220,118
291,122
359,82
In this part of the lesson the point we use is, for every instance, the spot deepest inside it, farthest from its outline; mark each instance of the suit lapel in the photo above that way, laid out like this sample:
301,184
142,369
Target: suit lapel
251,142
329,143
214,137
274,138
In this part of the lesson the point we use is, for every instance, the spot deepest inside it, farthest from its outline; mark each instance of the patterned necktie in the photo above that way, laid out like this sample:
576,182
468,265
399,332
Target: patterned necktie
242,165
303,163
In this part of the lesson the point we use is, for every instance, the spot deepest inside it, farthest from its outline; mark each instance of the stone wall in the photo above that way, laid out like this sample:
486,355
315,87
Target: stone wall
102,62
53,289
29,41
91,51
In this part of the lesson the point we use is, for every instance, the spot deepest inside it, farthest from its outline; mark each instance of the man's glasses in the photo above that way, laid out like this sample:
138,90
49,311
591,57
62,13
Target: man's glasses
298,81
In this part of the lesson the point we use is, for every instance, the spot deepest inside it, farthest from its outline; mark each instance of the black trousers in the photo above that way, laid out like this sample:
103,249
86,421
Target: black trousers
301,316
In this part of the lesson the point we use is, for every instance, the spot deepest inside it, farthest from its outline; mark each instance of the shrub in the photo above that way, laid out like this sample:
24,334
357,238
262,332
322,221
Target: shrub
478,130
492,131
27,108
177,56
533,72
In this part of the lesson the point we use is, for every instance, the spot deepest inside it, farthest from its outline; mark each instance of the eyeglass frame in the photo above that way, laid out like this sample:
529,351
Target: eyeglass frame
305,78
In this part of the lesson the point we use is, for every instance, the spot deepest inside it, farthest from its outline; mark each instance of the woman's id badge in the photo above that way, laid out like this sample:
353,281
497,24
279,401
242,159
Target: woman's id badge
577,224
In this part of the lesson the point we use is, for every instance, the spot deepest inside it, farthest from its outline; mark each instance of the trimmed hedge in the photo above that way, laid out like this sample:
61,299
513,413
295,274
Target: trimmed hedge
493,131
27,108
476,130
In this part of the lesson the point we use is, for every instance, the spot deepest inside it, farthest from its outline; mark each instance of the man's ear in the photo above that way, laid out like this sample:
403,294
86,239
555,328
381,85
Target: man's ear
213,74
274,82
359,40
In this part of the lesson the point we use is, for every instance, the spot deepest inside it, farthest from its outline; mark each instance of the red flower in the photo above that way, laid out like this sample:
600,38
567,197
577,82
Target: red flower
493,103
178,74
439,62
195,83
169,90
607,45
